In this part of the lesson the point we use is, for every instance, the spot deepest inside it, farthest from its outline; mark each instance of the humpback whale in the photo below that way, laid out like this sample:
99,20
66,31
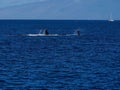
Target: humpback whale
43,33
46,33
77,32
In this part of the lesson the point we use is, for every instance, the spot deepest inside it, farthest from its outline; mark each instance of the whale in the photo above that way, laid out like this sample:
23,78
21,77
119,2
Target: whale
46,33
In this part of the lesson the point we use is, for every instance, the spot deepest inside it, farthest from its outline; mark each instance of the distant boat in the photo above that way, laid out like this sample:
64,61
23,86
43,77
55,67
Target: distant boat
111,20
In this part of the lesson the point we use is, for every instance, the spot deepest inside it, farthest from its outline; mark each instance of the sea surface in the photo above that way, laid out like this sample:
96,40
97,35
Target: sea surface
90,61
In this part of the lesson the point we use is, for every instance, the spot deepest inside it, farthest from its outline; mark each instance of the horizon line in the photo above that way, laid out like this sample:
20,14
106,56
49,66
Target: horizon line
65,19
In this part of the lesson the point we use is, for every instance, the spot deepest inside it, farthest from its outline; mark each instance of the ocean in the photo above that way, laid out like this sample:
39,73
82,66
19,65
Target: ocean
90,61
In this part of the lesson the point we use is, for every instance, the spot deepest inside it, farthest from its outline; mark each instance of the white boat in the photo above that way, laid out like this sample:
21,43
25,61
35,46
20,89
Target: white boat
111,20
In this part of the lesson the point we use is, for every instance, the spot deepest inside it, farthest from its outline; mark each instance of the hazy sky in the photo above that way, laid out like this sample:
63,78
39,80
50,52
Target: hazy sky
59,9
7,3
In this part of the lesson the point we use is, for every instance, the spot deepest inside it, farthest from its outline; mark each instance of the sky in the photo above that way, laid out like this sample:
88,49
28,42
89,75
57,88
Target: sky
7,3
59,9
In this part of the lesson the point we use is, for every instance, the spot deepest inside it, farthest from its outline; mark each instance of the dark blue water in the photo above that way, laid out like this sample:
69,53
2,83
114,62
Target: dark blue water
87,62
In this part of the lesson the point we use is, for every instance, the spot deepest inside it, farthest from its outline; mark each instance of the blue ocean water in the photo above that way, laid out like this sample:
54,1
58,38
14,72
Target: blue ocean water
87,62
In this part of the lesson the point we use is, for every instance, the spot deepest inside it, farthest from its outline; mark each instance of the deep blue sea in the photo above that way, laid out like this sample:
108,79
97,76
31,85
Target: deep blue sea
90,61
